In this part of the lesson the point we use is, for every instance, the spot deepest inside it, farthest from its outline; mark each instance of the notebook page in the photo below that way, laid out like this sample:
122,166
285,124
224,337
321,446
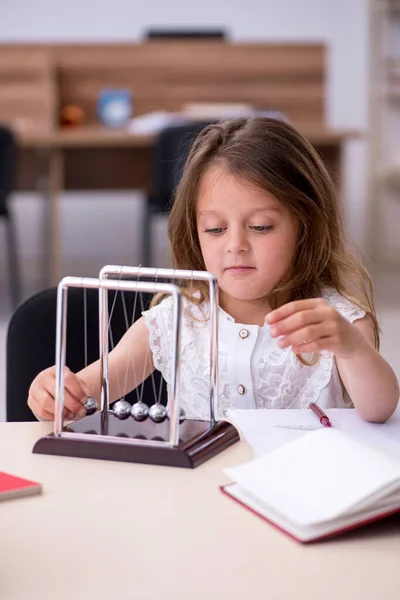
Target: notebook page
267,429
383,436
317,477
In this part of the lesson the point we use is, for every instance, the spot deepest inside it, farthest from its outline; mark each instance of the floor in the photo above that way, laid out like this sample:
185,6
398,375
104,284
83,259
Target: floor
387,292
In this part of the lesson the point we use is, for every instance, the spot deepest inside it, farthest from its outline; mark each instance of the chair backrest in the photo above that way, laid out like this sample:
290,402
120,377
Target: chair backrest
31,340
169,156
7,166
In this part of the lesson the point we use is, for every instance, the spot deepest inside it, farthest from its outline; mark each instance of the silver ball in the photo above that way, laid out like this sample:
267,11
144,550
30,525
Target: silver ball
182,415
158,413
91,405
140,411
122,409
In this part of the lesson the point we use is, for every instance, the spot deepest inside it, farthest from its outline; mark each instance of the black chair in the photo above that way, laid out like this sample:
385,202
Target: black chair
169,156
31,340
7,173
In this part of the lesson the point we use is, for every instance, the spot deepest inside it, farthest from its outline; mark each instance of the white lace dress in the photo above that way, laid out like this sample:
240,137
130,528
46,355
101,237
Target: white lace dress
253,371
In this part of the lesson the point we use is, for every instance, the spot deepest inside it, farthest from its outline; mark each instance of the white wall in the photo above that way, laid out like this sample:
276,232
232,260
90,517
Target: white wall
343,25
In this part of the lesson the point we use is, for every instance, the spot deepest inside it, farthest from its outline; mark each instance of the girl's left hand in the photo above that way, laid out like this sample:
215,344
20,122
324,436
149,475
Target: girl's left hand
313,325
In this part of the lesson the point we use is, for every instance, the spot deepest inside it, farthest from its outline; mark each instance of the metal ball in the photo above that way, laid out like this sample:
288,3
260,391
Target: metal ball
158,413
140,411
182,415
91,405
122,409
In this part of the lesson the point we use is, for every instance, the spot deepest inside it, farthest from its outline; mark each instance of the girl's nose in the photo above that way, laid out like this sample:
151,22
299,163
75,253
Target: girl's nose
237,241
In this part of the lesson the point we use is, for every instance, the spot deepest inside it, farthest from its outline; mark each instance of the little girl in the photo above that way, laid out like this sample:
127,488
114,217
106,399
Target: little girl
256,207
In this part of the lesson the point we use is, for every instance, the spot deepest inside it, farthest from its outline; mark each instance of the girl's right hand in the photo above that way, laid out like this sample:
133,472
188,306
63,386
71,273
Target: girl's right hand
41,398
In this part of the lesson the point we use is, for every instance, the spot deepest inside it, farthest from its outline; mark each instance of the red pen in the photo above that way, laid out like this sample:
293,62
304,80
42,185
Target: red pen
323,418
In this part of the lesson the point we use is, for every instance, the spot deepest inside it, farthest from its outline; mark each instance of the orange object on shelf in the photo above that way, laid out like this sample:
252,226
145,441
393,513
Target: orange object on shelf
71,115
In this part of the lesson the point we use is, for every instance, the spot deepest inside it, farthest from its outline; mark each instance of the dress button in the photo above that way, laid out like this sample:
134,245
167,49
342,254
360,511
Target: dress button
243,333
241,389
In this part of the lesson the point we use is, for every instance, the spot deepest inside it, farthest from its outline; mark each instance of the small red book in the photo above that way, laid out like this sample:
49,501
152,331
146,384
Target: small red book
15,487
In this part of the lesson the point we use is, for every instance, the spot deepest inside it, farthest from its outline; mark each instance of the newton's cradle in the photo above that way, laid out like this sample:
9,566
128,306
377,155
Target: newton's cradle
146,431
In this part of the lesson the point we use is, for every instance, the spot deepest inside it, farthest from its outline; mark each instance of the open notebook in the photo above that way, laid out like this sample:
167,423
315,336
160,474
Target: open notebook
318,485
266,430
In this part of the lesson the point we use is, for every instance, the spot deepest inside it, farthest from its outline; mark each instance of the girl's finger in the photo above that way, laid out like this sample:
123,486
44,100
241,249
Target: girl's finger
42,413
73,385
293,307
298,321
317,346
311,333
72,406
84,386
39,411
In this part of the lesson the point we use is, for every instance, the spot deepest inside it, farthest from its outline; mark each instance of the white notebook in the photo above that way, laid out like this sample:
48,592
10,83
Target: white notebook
318,485
268,429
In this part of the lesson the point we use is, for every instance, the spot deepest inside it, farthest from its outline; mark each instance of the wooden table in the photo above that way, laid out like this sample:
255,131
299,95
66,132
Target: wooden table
125,531
97,158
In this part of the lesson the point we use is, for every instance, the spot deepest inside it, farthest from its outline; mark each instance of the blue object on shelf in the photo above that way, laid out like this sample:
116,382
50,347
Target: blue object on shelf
114,107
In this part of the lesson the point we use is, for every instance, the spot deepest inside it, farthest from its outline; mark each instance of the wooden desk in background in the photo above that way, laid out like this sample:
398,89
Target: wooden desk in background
116,530
94,158
37,80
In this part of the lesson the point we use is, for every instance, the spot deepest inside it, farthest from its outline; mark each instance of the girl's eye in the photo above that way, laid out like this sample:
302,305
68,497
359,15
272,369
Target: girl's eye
261,228
214,230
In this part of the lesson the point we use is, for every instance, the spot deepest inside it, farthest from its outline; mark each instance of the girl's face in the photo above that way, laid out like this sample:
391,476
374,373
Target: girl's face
247,238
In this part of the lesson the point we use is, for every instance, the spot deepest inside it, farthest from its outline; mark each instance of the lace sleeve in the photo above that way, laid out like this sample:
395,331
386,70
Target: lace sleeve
158,321
345,307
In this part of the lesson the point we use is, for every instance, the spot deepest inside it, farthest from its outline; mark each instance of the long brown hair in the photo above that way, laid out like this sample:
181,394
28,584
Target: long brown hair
273,155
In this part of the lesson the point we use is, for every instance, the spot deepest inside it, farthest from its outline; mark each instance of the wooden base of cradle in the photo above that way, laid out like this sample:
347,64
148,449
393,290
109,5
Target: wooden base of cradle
198,441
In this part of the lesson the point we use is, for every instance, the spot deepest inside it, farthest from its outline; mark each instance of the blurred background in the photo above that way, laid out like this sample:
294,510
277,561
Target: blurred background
98,103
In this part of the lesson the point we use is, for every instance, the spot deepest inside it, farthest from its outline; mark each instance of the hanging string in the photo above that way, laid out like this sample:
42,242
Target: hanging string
145,362
127,325
91,403
85,335
153,381
110,333
160,385
85,326
160,389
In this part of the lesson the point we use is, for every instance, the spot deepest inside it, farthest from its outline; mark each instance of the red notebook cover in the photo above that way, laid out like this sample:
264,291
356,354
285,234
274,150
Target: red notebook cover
15,487
385,514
